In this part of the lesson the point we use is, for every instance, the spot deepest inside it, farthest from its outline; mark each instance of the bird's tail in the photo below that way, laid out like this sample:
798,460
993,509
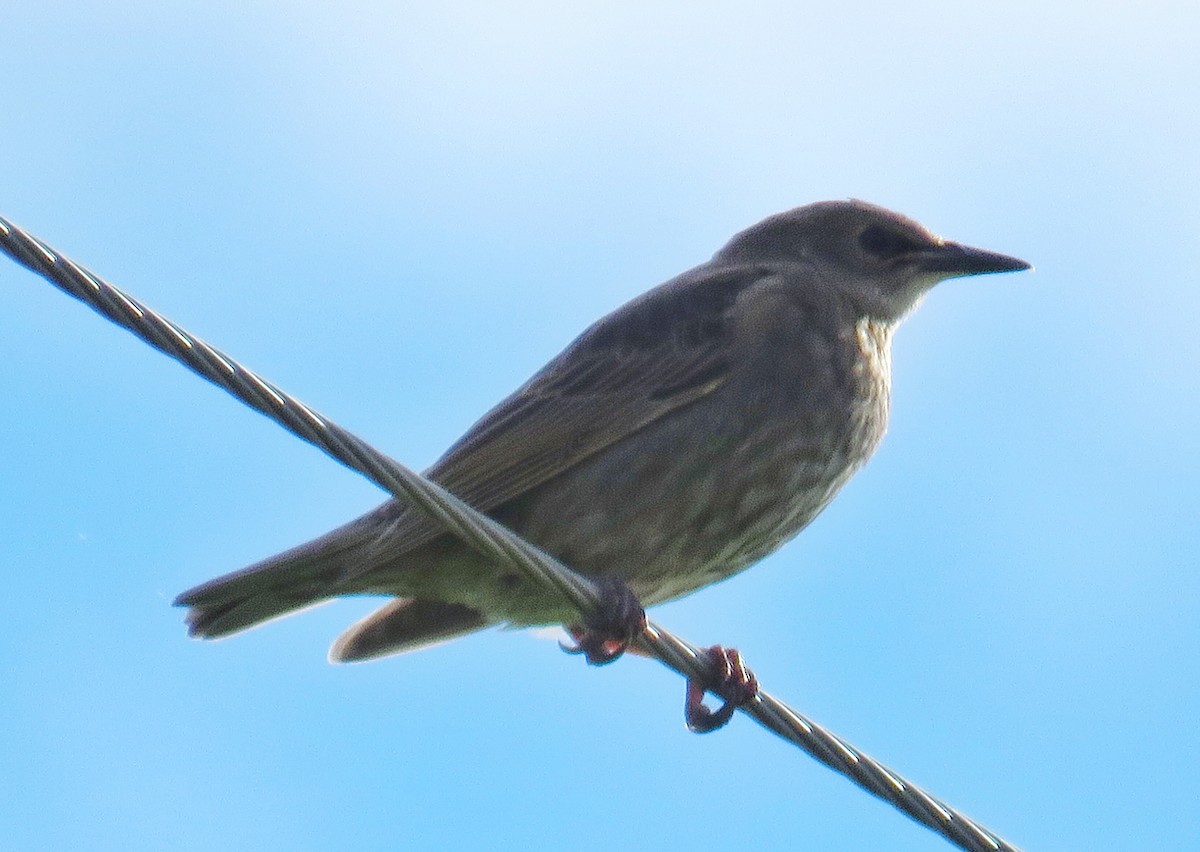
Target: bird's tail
292,580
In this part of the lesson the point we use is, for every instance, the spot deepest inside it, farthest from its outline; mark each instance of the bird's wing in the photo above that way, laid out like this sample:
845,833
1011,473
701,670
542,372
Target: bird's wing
644,361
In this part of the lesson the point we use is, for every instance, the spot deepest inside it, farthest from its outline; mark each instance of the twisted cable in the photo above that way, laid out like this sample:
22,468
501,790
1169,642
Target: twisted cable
480,531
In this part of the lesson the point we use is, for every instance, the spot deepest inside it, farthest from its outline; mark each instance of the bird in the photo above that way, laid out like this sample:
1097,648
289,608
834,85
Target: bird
674,443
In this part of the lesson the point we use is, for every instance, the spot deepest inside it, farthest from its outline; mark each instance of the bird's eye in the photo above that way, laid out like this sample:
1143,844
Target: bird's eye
884,243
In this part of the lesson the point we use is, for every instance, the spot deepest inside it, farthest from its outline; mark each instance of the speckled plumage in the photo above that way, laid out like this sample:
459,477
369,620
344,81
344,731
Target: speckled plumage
674,443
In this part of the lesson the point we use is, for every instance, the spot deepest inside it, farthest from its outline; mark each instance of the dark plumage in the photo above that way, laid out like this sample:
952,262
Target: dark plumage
678,440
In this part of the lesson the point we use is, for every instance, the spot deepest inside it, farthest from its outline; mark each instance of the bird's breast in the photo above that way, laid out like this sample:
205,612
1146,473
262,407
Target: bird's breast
808,444
707,491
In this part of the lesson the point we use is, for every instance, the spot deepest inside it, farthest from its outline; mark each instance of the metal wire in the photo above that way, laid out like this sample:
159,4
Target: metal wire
479,531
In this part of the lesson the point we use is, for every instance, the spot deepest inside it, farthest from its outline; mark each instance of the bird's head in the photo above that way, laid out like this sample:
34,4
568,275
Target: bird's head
882,261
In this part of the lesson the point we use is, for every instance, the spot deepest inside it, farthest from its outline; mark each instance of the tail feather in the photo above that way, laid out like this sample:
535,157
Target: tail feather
206,620
405,624
292,580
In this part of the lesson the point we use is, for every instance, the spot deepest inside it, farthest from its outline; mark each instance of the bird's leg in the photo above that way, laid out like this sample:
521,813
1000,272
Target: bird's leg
734,682
621,620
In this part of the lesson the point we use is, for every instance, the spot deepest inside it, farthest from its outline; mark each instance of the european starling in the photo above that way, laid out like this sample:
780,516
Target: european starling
674,443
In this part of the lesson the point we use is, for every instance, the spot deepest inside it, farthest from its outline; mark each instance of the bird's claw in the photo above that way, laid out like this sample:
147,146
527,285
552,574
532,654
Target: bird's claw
622,619
734,682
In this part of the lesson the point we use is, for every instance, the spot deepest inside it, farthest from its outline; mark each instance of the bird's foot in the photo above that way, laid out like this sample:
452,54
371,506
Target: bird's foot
734,682
622,619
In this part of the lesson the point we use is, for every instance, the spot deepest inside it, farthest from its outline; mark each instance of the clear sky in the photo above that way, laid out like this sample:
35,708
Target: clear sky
397,212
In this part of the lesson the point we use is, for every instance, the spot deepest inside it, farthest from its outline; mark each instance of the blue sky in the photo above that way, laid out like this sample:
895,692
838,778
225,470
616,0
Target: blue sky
398,212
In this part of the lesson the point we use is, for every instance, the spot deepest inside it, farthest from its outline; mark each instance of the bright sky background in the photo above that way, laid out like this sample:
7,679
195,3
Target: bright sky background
398,214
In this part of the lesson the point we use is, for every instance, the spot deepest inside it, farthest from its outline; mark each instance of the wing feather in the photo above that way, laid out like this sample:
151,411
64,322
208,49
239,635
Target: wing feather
650,358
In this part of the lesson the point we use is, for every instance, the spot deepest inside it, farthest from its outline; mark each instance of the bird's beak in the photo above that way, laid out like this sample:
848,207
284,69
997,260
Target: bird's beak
954,259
